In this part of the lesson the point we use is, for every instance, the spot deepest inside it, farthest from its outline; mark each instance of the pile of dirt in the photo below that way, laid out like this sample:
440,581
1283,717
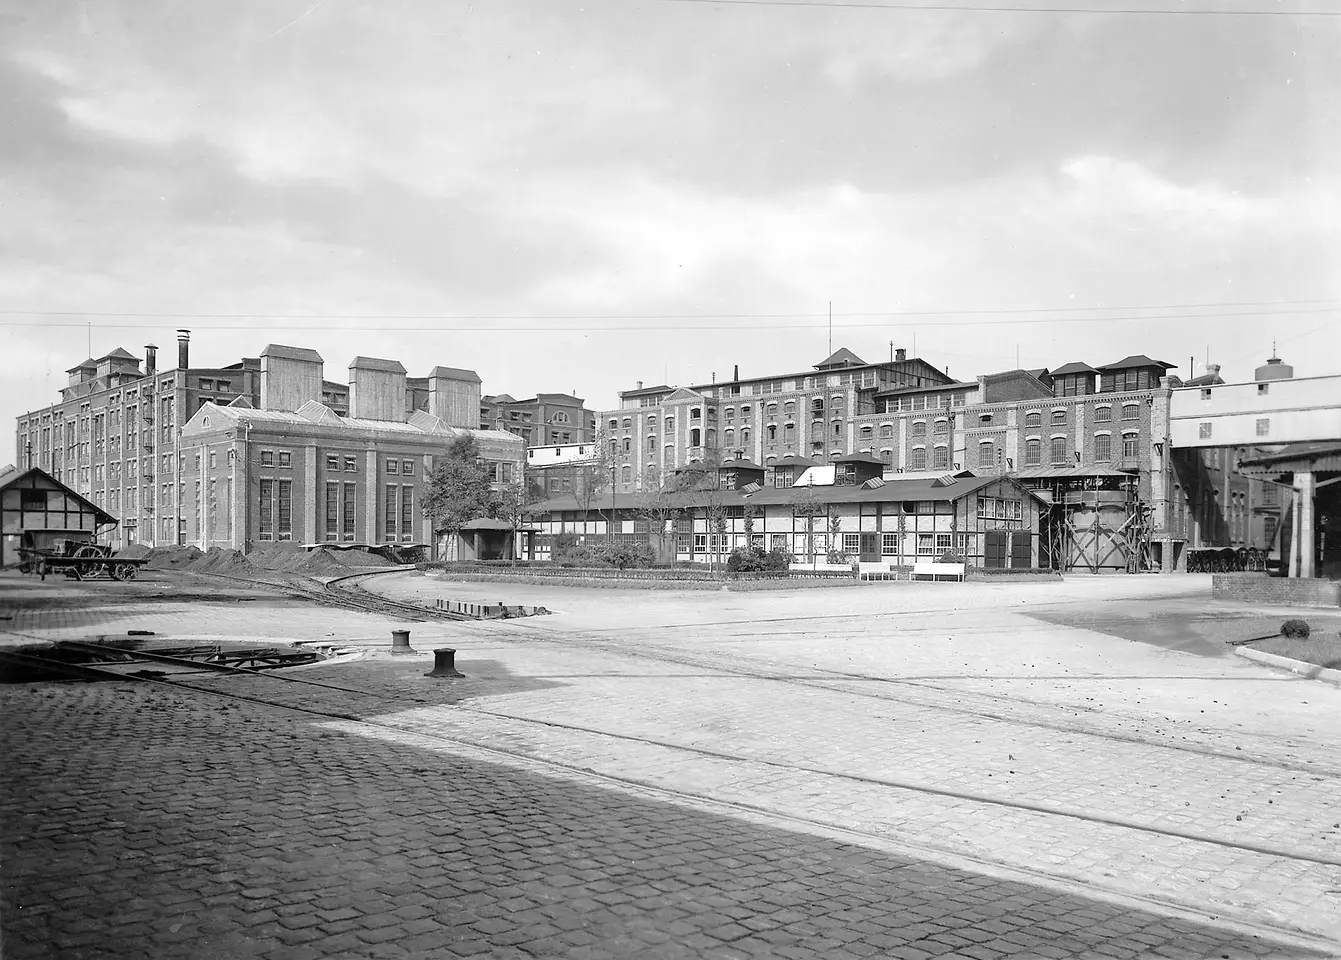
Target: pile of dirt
172,558
135,551
221,560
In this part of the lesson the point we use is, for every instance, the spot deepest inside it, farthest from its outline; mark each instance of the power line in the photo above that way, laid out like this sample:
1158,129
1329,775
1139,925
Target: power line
693,316
974,8
816,322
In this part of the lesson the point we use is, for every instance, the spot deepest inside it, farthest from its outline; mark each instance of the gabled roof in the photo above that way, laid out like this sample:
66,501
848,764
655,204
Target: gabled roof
499,398
1038,373
859,458
284,352
684,393
30,477
792,460
1074,367
842,357
373,363
1137,360
454,373
741,464
119,354
89,364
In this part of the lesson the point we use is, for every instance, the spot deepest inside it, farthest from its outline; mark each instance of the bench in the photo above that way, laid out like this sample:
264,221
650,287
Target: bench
937,570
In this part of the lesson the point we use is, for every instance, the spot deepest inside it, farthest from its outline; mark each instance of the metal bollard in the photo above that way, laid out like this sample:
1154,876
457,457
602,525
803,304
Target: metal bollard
400,643
444,663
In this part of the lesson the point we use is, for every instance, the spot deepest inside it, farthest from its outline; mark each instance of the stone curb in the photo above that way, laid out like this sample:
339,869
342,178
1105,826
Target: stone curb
1309,671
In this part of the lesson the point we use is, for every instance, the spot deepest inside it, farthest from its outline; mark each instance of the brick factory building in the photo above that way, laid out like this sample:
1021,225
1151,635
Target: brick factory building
250,452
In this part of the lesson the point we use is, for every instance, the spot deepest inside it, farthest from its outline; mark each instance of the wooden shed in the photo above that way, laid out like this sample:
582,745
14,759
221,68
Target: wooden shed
36,509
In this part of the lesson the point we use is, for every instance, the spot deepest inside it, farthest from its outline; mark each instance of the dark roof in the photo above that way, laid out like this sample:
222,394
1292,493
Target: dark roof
1205,380
373,363
1323,455
842,357
1063,473
892,490
1038,373
291,353
89,364
454,373
792,460
16,478
741,464
929,388
858,458
1137,360
119,354
499,398
1074,366
492,523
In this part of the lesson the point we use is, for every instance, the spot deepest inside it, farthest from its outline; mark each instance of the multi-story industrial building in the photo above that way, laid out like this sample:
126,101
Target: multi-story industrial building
118,437
546,418
1094,441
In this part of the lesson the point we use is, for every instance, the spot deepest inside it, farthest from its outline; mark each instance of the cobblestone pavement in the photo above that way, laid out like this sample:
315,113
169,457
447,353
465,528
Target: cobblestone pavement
792,777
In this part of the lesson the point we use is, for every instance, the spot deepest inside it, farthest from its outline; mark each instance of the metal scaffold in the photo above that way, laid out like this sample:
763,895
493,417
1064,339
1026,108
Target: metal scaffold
1096,521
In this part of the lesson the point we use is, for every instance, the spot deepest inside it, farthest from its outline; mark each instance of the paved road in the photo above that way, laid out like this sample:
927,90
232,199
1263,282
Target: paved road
737,790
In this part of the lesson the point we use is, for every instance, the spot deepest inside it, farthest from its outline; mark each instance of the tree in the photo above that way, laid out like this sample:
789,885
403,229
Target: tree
592,475
700,482
459,489
659,504
513,503
805,503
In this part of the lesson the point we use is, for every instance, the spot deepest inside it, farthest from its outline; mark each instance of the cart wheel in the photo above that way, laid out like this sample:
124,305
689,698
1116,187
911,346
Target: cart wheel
123,571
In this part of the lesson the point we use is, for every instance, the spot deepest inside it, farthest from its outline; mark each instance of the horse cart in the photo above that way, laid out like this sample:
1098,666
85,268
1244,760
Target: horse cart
79,560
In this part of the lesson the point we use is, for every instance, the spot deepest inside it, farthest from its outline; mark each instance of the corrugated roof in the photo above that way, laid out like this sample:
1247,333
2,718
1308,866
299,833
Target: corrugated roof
1062,473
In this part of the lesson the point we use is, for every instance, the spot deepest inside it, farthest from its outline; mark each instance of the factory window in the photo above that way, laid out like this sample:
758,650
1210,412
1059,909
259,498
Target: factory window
670,424
351,464
266,519
695,437
744,435
389,506
986,453
918,460
728,436
224,386
1131,411
926,544
886,430
942,426
332,463
1263,388
1059,417
392,465
1203,431
1263,426
984,418
407,513
1129,445
1058,450
214,459
407,468
332,511
940,457
1103,448
1033,452
695,413
267,458
1103,414
285,459
919,428
867,432
349,501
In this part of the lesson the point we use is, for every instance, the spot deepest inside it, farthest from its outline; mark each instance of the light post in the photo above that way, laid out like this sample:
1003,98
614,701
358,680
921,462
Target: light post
611,537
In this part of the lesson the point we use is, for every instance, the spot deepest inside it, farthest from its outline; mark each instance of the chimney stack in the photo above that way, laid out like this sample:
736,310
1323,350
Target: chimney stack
150,359
735,373
640,384
900,355
183,349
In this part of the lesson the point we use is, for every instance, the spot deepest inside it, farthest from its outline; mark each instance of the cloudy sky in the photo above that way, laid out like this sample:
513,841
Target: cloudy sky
579,194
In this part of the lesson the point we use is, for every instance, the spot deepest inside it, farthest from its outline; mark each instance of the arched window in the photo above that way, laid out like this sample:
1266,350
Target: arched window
695,437
1058,450
626,475
651,443
1059,416
887,455
867,431
919,428
614,424
940,457
712,437
1103,447
1130,444
1033,452
771,410
745,435
1033,419
986,453
628,444
886,429
628,421
1131,411
670,424
942,426
772,432
1103,414
918,459
728,436
838,428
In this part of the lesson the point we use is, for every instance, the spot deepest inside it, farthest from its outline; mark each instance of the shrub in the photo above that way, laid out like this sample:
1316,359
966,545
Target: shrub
1295,629
755,560
624,555
838,557
949,556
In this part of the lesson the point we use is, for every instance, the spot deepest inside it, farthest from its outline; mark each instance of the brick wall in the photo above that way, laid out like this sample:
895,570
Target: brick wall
1275,591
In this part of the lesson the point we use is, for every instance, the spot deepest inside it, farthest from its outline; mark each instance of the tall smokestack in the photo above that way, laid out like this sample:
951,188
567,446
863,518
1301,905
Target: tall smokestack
150,359
183,349
735,373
